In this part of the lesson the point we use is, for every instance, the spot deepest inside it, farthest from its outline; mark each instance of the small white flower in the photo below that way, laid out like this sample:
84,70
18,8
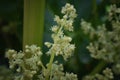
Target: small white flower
54,28
48,44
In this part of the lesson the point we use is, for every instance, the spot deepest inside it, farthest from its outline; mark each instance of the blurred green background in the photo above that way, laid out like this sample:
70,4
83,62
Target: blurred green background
11,29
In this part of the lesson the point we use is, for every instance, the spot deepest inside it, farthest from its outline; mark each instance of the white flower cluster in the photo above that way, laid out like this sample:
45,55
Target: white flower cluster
67,21
105,42
27,63
58,74
112,10
61,45
101,48
87,28
107,75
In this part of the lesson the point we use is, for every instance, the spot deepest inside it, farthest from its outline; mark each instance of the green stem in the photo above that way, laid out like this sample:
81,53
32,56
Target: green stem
43,65
52,58
50,65
99,67
33,22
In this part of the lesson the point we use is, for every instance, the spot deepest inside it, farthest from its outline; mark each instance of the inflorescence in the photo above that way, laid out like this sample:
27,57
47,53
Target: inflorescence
105,41
28,64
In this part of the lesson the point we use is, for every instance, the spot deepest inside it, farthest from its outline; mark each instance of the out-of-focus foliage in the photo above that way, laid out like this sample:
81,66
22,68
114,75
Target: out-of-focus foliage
10,26
5,73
